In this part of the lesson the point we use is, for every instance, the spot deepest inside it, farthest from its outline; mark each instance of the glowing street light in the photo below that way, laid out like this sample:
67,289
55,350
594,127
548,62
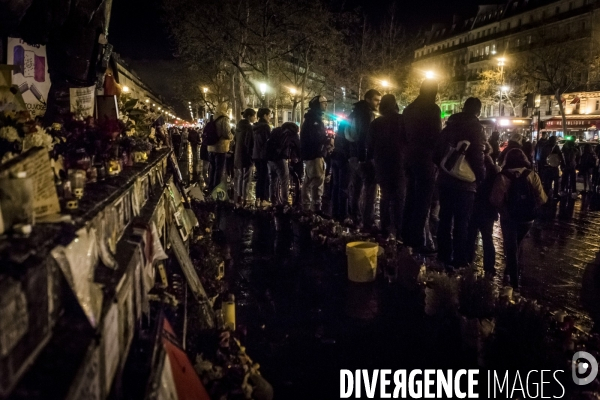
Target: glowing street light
385,84
293,91
263,88
147,101
153,105
505,88
205,90
429,75
125,89
158,108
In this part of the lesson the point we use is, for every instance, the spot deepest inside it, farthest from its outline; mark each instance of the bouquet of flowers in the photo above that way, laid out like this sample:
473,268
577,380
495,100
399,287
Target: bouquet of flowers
13,126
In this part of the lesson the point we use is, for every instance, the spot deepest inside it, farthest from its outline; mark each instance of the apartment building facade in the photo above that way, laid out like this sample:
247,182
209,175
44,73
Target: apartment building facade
496,38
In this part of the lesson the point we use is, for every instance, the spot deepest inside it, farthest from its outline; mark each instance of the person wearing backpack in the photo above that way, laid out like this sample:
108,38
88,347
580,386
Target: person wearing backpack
279,148
518,194
386,146
362,174
244,139
262,130
588,163
457,193
571,158
218,135
551,158
423,124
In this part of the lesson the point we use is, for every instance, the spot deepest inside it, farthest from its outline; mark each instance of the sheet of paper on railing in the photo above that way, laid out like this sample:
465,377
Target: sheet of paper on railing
37,165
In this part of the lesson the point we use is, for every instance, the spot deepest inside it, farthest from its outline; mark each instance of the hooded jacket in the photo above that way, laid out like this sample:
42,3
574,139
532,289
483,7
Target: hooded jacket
313,137
224,130
262,130
511,145
423,122
283,144
244,139
463,126
386,145
502,184
363,116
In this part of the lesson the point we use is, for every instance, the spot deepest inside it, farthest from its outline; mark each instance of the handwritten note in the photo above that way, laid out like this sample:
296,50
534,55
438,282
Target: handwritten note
37,165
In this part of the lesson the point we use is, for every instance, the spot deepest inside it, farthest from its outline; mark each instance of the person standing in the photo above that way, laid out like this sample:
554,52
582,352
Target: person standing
518,194
244,139
194,139
484,216
551,158
457,196
589,162
571,158
340,175
262,130
423,123
386,145
362,173
538,151
495,145
217,153
280,149
313,148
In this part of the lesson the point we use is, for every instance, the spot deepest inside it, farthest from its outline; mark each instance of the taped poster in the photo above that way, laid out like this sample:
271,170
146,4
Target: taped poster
30,74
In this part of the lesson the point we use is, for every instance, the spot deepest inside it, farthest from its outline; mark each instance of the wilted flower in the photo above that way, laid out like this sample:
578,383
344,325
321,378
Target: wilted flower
10,134
39,138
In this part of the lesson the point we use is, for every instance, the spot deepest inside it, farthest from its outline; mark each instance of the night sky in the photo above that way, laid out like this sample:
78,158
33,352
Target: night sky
140,36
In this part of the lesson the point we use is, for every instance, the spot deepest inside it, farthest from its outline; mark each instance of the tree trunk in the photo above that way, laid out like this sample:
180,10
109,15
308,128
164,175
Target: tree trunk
243,103
294,107
234,104
561,107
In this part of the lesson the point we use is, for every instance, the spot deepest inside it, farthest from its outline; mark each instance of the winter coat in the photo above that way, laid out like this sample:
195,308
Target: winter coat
386,146
363,115
502,184
571,155
341,146
225,135
262,130
511,145
283,144
423,123
463,126
483,208
495,145
313,138
538,149
244,139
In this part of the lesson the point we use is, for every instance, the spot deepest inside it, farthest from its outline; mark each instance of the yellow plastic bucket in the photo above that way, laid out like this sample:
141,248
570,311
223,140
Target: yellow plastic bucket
362,261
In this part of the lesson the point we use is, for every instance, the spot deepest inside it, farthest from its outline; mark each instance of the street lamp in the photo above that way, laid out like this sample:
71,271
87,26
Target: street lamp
429,75
205,90
147,101
293,91
385,84
263,88
125,89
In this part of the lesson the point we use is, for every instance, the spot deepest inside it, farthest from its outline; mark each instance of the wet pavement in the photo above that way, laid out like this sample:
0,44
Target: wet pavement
563,244
305,321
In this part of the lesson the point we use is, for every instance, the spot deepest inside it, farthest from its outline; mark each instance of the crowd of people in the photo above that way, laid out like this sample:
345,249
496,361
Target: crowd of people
441,186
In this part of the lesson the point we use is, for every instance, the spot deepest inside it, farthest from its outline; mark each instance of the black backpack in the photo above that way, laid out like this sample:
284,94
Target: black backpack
278,144
211,134
521,202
